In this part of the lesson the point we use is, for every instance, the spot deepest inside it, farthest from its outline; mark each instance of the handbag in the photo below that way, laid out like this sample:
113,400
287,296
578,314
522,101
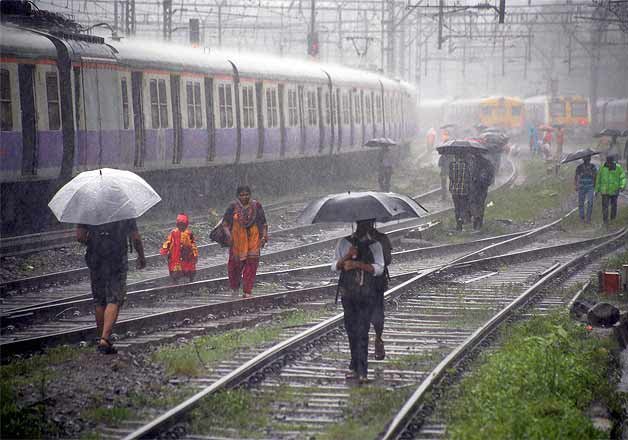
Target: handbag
219,235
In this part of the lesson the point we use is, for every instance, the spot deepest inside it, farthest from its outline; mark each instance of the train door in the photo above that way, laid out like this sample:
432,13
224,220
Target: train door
339,116
175,92
372,113
321,119
362,116
301,119
29,118
282,120
351,117
259,99
209,115
138,119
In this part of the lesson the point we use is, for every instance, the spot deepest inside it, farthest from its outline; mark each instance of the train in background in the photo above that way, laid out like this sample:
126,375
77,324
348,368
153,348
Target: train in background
612,113
511,114
191,122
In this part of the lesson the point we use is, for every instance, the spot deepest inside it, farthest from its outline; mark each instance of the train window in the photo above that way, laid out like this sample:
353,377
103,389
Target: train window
158,103
225,105
345,109
557,108
378,109
358,109
327,109
516,110
125,103
248,107
312,117
579,109
52,94
195,112
367,104
293,116
6,113
271,108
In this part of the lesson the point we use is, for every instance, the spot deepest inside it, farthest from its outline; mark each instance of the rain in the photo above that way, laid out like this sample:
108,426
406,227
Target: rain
313,219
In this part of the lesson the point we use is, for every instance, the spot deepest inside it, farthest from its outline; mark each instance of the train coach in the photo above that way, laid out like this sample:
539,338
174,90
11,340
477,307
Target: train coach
572,112
191,121
613,114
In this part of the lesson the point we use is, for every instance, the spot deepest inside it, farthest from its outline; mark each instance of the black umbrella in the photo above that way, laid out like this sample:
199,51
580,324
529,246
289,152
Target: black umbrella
446,126
353,206
381,142
492,137
461,146
625,133
608,132
579,155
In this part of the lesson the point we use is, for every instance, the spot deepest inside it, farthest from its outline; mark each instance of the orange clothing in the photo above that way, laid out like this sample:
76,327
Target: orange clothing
181,250
444,136
246,242
431,137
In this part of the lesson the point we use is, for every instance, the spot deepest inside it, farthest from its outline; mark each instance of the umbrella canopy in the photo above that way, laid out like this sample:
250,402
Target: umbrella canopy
446,126
380,142
608,132
354,206
546,128
579,155
625,133
491,137
461,146
557,125
103,196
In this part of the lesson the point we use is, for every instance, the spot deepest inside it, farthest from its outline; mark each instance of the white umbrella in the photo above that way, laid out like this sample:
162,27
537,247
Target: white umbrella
103,196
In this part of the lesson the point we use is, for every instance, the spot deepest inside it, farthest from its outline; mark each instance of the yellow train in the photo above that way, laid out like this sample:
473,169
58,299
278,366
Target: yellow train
572,112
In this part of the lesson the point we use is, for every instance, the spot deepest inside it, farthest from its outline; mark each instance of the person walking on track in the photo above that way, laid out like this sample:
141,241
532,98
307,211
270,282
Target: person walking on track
483,177
107,260
610,180
460,172
381,286
181,251
584,181
359,259
247,230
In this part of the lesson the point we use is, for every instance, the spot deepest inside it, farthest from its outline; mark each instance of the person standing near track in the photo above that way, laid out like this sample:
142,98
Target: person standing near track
359,259
483,177
247,230
107,260
460,173
584,182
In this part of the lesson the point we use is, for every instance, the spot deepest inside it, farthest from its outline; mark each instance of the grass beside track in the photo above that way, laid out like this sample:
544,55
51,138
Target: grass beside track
537,385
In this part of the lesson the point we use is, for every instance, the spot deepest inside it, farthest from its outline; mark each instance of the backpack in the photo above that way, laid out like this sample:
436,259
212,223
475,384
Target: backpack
219,235
384,241
107,243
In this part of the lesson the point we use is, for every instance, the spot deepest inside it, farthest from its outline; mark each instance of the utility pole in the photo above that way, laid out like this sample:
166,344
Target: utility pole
129,25
115,16
441,5
390,65
167,19
312,40
402,50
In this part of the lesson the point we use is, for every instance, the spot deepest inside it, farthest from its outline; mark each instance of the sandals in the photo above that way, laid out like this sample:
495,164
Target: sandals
106,348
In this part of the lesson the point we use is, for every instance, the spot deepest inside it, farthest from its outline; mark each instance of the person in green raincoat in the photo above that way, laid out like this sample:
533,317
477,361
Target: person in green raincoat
610,180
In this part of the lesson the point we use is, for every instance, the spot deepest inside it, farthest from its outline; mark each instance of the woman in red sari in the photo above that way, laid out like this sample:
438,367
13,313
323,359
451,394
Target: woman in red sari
181,250
245,223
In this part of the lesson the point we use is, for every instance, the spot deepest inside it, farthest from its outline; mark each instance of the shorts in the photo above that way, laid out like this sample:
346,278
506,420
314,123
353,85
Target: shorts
108,286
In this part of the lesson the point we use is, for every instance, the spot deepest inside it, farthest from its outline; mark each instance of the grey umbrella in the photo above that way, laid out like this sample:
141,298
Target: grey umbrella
461,146
579,155
381,142
353,206
611,132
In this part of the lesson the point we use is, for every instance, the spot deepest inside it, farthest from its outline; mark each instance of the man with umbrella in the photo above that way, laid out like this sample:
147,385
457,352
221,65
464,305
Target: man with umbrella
359,259
584,181
104,204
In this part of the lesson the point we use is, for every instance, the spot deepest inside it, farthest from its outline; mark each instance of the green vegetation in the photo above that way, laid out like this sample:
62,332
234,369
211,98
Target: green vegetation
109,416
367,408
536,386
246,411
201,354
23,419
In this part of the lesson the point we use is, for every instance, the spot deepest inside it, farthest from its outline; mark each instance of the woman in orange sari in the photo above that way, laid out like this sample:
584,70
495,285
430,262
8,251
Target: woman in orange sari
181,250
245,223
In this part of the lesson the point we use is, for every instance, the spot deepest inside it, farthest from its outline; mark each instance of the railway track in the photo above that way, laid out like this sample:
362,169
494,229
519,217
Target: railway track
431,315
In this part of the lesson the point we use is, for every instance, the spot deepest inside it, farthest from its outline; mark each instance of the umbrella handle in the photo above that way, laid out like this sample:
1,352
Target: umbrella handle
421,206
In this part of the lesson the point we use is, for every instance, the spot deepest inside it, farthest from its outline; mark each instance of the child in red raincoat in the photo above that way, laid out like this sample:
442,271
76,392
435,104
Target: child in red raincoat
181,250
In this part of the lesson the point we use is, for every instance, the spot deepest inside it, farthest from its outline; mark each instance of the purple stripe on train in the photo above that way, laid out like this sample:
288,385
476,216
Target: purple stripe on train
11,151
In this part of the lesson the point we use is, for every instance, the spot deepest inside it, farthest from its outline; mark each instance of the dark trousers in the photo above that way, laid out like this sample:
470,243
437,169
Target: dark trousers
476,206
461,207
377,317
606,200
358,311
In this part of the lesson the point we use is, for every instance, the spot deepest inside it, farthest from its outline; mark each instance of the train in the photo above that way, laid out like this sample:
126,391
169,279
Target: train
191,121
513,115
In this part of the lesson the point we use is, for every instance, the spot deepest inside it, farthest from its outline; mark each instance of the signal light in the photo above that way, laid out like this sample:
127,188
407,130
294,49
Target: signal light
583,122
312,44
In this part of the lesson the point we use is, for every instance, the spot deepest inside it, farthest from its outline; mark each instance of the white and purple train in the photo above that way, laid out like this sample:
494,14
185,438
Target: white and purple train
72,102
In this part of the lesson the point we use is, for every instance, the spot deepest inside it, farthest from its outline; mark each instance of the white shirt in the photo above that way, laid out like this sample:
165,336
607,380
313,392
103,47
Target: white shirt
376,249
